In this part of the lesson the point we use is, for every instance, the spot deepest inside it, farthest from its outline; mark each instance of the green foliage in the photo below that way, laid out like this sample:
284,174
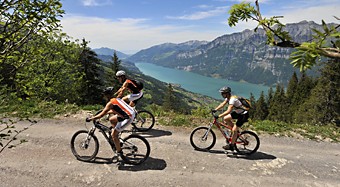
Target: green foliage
173,119
90,90
200,112
293,129
305,56
325,43
169,99
323,104
22,20
260,111
242,11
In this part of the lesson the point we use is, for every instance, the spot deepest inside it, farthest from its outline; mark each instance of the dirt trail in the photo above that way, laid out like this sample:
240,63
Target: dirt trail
46,160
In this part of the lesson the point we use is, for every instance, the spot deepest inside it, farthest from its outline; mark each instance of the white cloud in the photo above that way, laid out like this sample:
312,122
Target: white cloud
202,14
315,14
128,35
96,2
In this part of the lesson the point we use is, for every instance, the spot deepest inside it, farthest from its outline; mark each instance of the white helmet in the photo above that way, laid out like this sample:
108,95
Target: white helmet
120,73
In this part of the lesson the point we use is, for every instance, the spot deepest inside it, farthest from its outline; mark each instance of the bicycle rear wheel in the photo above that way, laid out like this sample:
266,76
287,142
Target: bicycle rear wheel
144,121
136,149
84,146
201,138
247,143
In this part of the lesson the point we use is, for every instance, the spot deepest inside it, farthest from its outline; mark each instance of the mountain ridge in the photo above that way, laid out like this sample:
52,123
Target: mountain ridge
237,56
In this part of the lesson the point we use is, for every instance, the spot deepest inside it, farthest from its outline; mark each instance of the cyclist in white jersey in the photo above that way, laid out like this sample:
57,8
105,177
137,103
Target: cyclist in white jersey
234,111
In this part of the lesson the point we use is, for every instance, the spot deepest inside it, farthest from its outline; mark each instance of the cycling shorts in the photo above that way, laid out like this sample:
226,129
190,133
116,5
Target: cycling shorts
135,97
123,124
241,118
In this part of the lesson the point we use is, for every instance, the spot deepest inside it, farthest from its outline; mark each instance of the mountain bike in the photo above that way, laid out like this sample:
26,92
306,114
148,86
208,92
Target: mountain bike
85,144
203,138
144,120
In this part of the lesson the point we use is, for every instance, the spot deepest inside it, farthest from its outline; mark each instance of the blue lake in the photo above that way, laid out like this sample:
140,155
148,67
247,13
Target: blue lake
200,84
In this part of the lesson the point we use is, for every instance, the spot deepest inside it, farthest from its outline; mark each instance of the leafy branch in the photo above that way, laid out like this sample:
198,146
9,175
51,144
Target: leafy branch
307,53
7,132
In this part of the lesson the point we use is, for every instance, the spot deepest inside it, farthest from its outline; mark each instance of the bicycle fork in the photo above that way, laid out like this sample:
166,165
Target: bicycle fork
86,142
205,136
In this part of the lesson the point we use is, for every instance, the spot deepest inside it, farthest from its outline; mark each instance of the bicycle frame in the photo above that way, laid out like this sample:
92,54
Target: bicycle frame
219,127
105,131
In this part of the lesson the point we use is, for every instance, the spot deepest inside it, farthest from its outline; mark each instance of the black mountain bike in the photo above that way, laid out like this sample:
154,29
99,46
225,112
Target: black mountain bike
144,120
85,144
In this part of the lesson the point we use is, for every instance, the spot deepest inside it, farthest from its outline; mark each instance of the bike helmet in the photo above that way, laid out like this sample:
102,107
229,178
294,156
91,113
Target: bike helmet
225,89
120,73
108,91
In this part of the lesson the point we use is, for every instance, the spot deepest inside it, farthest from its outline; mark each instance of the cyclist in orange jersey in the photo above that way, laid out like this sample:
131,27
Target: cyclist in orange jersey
128,84
123,116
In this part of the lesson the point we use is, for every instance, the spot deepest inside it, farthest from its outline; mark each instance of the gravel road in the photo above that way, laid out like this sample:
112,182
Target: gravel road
46,160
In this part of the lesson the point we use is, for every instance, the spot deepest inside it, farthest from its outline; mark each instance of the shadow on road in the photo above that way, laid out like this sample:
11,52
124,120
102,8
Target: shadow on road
154,133
149,164
256,156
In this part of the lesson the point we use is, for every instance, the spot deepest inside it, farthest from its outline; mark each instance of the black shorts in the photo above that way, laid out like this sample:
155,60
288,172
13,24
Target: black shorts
241,118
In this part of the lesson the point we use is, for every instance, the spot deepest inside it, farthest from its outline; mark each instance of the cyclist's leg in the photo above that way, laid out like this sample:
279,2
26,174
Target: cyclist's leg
114,120
121,125
228,120
234,115
241,119
133,98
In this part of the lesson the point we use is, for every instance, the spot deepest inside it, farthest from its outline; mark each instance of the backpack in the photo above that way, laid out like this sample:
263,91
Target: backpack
246,104
138,84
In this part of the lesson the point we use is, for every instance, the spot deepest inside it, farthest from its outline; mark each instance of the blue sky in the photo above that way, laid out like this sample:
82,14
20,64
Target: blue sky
132,25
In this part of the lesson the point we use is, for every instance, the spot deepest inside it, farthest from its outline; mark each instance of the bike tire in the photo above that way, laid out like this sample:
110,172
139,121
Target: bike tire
201,138
136,149
247,143
144,121
84,148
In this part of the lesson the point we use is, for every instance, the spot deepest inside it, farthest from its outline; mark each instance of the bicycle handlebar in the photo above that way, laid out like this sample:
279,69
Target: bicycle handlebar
213,113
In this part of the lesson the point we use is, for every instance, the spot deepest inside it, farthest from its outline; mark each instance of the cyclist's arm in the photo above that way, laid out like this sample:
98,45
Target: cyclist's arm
228,111
221,105
121,90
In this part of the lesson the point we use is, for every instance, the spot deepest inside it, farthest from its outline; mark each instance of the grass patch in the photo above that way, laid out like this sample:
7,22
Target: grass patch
49,109
314,132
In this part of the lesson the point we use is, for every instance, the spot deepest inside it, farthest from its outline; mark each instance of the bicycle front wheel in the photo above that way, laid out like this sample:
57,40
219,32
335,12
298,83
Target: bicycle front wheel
247,143
202,138
144,121
136,149
84,146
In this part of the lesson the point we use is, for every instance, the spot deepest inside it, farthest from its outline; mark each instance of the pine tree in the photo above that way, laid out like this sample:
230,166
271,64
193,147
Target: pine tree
302,93
114,67
169,99
292,86
91,84
252,110
261,106
270,96
278,107
323,105
292,90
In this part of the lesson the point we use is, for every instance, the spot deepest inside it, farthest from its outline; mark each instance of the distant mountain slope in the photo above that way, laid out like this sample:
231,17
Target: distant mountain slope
162,52
109,52
238,56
